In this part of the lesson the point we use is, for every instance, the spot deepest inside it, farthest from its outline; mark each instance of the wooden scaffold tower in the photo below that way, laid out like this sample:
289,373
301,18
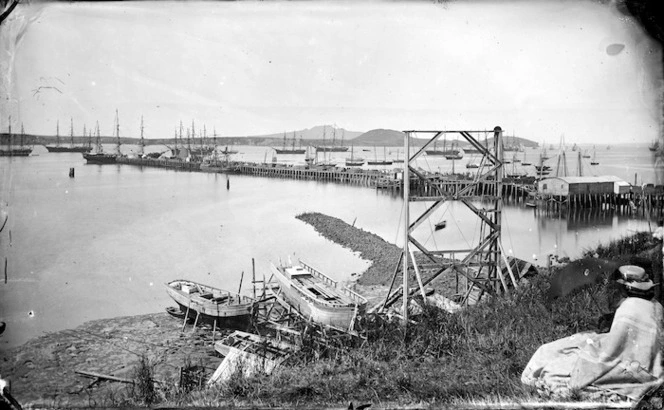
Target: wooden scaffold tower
479,268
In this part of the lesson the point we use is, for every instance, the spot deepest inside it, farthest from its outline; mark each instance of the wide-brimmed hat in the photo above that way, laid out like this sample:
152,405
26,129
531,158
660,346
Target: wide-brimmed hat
634,277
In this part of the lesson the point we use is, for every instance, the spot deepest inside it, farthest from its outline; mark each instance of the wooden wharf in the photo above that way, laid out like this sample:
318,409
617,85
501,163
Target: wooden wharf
643,200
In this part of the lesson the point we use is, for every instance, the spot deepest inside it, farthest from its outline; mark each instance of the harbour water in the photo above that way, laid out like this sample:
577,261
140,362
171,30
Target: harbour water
103,243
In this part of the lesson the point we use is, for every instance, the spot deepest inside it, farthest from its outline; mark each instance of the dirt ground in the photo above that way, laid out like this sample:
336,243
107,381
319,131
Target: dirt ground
42,371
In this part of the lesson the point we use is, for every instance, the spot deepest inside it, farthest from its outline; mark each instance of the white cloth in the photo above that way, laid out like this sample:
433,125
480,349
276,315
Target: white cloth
626,361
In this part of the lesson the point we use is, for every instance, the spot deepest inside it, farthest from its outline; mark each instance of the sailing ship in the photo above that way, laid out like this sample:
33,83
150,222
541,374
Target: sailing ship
291,150
210,304
397,159
594,160
542,170
586,154
377,161
72,147
524,162
514,146
11,151
99,156
333,147
452,152
354,161
654,146
317,296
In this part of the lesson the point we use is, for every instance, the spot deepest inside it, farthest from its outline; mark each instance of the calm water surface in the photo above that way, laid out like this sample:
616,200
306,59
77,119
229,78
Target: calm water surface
102,244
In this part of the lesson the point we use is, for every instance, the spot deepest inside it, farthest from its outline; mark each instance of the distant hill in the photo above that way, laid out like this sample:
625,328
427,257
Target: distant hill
310,136
315,133
395,138
380,137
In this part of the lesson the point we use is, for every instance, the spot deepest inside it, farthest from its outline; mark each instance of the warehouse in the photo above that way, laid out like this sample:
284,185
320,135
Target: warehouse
572,186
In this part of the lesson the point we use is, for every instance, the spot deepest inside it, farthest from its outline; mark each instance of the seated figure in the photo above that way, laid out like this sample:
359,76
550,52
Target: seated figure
626,361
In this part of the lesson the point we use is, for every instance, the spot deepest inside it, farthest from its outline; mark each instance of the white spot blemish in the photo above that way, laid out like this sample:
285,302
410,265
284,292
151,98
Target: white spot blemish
151,283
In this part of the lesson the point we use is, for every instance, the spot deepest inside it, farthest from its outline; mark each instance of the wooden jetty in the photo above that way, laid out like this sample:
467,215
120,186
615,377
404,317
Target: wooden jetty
525,191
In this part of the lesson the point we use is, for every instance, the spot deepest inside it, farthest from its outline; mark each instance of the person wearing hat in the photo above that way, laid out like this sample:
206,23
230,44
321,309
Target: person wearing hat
635,282
626,361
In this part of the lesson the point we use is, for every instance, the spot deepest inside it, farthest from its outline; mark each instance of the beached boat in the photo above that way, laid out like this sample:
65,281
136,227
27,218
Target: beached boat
317,296
250,354
654,146
211,304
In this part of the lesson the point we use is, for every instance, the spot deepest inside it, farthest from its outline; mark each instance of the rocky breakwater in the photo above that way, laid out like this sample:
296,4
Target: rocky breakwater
383,255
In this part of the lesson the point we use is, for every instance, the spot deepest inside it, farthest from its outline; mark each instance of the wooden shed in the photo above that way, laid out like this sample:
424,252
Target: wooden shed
620,186
568,186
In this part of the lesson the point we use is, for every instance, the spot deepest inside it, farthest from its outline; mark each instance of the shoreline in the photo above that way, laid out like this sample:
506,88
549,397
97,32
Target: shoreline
42,371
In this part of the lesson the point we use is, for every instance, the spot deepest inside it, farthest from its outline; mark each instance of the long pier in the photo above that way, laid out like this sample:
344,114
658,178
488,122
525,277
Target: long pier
647,200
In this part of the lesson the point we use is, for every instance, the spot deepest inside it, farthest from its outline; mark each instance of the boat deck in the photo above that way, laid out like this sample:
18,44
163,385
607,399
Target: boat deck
319,291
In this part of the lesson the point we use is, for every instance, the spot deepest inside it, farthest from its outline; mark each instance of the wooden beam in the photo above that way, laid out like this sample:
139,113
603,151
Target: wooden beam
103,376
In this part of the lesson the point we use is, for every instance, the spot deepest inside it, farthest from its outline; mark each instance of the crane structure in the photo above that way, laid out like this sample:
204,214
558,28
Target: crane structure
478,266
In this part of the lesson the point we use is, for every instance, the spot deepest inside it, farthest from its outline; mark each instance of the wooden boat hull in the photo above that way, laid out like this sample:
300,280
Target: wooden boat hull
68,149
211,305
100,158
249,354
317,309
18,152
290,151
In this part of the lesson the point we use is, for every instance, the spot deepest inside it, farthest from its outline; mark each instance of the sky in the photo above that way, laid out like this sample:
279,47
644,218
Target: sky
538,69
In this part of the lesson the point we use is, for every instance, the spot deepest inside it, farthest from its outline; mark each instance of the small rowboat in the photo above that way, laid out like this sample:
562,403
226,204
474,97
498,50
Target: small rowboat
209,304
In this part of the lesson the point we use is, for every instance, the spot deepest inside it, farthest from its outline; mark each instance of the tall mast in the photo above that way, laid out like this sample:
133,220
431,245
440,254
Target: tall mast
10,132
142,144
181,142
202,136
22,135
57,133
71,132
117,130
85,132
188,142
100,149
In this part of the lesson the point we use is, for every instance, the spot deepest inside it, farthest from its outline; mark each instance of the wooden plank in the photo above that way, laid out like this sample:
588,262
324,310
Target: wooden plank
103,376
